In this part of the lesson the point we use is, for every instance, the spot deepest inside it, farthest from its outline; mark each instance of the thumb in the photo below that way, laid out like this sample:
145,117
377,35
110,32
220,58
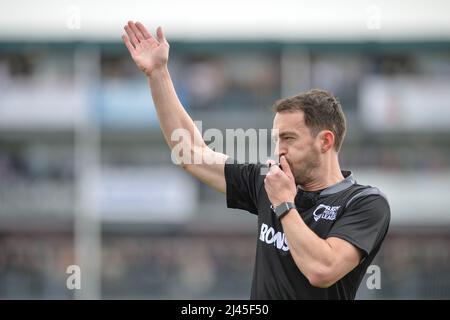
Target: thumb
285,167
160,35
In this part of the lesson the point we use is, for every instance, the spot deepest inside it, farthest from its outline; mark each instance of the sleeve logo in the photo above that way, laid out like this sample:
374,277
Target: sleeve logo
325,212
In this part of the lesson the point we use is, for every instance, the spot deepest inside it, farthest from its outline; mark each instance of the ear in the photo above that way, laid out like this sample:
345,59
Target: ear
326,139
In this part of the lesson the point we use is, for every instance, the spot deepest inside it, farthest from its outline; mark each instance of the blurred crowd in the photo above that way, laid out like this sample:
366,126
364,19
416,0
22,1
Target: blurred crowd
203,266
38,174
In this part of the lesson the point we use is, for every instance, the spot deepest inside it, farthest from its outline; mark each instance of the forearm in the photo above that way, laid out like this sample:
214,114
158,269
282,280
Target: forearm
312,254
169,109
194,155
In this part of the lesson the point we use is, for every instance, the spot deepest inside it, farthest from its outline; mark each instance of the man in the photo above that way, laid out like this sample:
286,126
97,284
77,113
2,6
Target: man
318,229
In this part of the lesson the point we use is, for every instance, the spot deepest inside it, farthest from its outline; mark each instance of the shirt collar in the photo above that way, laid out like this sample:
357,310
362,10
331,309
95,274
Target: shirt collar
348,181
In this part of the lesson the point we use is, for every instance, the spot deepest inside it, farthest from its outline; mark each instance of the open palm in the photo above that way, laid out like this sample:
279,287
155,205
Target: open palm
147,52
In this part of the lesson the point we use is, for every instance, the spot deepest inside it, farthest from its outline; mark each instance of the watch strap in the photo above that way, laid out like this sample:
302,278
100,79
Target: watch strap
283,208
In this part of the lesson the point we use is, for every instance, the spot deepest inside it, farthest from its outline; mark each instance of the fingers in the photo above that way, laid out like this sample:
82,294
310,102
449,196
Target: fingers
270,162
136,31
131,36
285,166
143,30
128,44
160,35
273,167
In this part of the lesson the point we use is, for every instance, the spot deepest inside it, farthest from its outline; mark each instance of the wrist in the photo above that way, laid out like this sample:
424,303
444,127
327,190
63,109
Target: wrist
157,72
283,208
276,204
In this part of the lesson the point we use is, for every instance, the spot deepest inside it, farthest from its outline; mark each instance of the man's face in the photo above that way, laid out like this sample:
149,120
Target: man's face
295,142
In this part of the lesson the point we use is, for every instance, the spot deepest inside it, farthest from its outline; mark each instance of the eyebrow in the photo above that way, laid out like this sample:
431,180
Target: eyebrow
285,133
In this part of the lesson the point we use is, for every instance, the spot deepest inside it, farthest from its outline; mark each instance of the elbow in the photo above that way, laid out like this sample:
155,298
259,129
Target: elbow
321,278
183,160
318,274
321,283
186,158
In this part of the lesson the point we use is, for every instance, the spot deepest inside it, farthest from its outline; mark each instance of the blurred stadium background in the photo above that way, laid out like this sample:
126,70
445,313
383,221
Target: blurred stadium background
84,168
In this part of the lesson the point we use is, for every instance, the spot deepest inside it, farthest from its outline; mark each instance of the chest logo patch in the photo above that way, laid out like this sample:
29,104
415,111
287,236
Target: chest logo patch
325,212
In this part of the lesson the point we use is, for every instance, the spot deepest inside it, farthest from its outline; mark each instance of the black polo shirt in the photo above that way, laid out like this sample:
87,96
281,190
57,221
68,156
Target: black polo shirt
356,213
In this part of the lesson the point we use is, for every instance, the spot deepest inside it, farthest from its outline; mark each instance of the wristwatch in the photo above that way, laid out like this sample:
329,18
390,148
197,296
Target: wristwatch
283,208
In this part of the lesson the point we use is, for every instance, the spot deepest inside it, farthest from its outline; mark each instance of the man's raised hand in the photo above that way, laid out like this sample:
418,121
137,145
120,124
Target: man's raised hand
148,53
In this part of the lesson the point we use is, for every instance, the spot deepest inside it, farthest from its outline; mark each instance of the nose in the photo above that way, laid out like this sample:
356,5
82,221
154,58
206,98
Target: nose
280,150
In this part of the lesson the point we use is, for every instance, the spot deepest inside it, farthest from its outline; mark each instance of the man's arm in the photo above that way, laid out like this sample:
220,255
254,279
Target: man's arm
151,56
322,261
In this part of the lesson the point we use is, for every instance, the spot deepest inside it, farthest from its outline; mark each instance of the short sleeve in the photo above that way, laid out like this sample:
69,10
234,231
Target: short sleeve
364,223
244,182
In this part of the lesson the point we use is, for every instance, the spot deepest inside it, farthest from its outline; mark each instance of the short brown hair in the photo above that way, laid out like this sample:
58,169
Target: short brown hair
322,111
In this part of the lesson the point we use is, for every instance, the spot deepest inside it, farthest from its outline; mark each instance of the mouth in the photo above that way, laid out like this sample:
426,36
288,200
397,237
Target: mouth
278,163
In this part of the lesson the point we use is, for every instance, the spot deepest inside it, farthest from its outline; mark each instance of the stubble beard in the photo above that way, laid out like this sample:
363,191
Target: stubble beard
305,172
